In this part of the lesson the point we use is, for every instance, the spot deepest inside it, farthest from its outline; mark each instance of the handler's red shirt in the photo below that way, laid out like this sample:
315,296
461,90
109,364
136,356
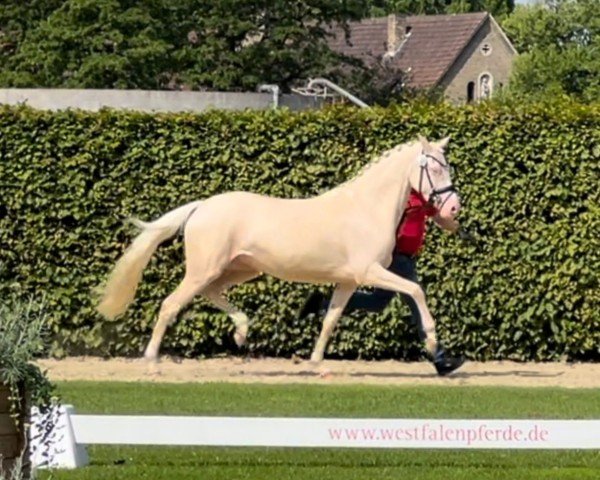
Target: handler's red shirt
411,231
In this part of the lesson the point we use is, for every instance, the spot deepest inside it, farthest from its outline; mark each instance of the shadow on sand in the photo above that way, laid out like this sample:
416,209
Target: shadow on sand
404,375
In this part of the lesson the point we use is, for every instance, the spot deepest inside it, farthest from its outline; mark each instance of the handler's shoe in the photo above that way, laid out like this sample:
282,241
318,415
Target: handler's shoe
312,305
445,365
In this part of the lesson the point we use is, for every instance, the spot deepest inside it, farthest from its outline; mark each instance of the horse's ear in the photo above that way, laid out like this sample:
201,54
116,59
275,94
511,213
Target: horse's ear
443,143
424,142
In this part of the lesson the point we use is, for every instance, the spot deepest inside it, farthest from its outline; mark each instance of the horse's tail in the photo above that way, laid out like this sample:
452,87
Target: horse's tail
122,283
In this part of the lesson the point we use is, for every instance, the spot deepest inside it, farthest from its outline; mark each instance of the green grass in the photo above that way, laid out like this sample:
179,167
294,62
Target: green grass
174,463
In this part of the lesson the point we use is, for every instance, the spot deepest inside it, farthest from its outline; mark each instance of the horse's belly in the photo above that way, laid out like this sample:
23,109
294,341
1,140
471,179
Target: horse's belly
295,268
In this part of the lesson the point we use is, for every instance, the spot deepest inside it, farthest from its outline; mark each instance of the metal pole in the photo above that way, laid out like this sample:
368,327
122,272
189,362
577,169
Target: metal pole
326,83
273,89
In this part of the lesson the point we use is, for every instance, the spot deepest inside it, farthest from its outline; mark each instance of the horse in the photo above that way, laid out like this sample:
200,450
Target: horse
344,236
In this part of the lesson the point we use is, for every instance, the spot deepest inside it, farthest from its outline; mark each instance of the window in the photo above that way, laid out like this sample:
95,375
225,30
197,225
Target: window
470,92
486,49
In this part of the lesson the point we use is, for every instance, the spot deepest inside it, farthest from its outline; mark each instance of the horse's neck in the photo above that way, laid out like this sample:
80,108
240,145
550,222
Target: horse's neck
386,183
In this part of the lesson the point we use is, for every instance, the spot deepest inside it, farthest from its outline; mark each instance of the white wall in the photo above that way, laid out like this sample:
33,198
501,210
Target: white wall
149,100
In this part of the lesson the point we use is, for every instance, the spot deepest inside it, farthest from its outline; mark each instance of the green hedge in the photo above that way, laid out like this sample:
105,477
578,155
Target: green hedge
528,176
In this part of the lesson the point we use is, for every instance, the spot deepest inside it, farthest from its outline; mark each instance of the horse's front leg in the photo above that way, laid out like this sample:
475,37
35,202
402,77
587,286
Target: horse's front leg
341,295
377,276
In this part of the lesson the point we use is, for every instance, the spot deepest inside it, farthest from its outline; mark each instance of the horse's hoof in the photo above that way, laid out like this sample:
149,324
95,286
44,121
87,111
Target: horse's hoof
150,358
240,339
241,332
315,360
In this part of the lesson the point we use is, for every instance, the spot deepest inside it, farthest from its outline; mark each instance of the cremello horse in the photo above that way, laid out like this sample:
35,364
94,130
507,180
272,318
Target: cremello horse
344,236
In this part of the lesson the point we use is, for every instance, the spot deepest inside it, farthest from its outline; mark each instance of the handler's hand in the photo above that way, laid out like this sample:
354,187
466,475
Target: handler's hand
466,236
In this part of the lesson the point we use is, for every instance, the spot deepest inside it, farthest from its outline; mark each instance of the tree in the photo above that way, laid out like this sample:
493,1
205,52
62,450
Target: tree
559,42
498,8
17,17
92,44
186,44
214,44
272,41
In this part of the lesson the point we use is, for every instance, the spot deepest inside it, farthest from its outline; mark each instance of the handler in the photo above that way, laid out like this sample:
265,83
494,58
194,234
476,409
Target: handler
410,237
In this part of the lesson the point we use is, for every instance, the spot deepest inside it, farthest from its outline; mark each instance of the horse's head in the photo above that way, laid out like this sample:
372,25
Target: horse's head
431,176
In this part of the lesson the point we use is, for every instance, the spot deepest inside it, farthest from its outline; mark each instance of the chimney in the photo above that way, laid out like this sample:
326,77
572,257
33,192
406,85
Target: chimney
393,40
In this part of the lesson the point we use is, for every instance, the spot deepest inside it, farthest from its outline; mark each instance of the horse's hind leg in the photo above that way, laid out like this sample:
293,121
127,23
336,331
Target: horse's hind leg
214,293
340,298
171,306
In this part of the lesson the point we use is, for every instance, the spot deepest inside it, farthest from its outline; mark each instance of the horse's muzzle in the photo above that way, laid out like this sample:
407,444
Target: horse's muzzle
447,202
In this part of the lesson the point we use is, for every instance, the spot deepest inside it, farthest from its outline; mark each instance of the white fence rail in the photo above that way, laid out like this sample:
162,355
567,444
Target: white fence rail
74,431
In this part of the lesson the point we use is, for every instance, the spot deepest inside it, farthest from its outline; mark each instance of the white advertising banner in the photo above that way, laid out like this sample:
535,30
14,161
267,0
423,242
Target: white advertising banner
340,432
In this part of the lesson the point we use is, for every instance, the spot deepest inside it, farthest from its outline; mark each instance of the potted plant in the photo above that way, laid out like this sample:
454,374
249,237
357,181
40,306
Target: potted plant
22,383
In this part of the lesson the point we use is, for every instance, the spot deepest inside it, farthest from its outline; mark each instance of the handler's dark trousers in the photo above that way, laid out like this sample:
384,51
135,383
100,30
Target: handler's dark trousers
375,301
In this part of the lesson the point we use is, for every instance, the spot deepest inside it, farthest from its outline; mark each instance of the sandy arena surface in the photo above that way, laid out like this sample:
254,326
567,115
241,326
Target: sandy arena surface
277,370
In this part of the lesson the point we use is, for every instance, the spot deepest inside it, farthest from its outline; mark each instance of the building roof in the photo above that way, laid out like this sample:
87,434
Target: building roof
431,48
366,38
